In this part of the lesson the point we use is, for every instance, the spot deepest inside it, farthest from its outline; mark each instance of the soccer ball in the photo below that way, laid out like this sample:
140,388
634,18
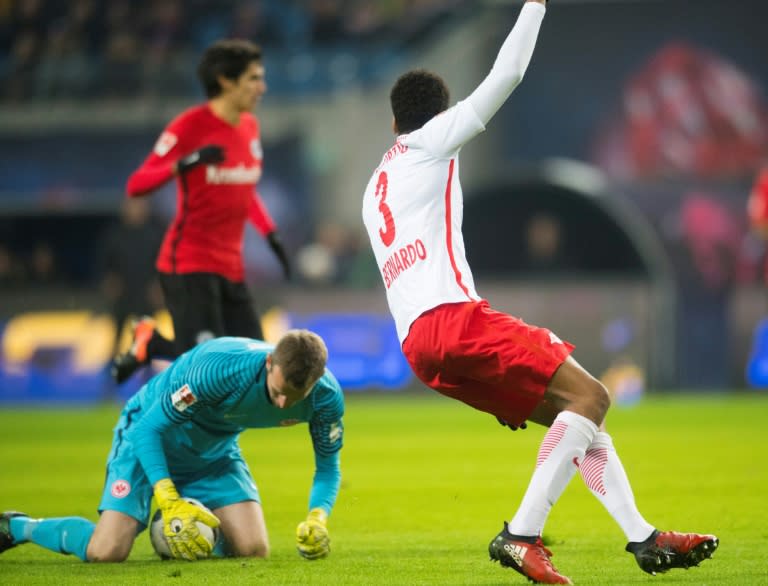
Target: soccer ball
157,536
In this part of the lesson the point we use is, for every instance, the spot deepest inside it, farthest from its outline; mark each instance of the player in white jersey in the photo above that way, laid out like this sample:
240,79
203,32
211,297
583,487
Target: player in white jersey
459,346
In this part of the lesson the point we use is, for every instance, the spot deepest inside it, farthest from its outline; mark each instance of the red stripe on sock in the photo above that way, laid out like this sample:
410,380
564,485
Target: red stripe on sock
593,468
551,440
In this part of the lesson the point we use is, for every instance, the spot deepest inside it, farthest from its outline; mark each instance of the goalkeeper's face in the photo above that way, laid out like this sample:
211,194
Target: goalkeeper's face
281,394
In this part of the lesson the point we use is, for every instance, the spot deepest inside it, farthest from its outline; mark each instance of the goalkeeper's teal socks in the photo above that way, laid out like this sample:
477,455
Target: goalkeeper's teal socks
220,549
68,535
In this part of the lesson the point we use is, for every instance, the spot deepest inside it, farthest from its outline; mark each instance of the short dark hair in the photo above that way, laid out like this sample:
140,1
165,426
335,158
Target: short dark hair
301,356
228,58
416,98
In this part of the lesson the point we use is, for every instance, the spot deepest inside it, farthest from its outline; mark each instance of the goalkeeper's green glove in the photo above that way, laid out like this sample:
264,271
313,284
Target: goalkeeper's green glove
180,522
312,538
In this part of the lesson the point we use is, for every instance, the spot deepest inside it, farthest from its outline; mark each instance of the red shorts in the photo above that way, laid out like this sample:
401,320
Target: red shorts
489,360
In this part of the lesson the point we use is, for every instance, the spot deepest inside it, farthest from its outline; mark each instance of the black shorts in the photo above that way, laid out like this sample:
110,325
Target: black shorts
206,305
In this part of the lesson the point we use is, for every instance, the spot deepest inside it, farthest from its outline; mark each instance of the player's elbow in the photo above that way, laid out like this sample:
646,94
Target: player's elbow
515,76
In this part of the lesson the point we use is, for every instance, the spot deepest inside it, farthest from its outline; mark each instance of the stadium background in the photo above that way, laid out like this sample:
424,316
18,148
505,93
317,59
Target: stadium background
606,200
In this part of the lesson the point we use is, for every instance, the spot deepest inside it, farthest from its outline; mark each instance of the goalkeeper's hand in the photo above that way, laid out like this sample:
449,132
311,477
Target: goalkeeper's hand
210,153
180,522
312,538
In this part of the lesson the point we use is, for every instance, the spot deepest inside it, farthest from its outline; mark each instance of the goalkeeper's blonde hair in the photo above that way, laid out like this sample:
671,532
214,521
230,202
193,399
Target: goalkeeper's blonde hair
301,356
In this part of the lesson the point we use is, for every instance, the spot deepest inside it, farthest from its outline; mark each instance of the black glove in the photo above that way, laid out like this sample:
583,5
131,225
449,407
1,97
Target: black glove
210,153
277,248
523,425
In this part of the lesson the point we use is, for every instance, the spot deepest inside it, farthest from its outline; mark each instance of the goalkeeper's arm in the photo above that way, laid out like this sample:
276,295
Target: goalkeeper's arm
312,538
179,517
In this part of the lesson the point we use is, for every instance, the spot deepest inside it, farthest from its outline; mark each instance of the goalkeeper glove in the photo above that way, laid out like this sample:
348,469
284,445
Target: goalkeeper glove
180,522
277,247
210,153
312,538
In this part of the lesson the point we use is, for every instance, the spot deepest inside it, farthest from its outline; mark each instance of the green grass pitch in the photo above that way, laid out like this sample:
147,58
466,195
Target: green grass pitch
427,483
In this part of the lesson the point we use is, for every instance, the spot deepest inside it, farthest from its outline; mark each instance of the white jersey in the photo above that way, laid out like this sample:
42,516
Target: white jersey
413,209
413,204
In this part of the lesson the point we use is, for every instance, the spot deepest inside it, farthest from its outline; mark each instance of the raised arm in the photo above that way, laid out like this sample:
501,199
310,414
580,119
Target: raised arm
511,62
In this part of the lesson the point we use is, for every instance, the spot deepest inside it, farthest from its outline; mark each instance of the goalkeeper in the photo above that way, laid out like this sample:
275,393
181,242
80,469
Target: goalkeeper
178,436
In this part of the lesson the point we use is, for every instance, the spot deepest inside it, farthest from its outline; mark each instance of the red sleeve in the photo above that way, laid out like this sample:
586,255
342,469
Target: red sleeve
157,168
148,177
259,216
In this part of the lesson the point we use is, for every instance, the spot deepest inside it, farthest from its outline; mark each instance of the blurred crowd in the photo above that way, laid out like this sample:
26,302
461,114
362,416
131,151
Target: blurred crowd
123,48
38,266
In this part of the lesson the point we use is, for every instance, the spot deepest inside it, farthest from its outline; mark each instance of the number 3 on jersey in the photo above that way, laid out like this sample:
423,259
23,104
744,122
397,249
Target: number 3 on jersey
388,232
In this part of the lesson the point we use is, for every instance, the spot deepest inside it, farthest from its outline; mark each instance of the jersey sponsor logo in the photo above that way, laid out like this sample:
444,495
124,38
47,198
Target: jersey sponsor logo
120,489
256,150
402,260
335,433
289,422
165,143
234,416
240,175
183,398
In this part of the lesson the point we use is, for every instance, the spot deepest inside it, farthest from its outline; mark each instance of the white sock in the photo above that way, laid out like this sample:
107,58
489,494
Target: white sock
567,440
603,473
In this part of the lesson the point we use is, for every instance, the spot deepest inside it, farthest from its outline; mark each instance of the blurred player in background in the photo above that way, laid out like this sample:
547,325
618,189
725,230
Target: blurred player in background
214,152
458,345
179,436
757,204
127,250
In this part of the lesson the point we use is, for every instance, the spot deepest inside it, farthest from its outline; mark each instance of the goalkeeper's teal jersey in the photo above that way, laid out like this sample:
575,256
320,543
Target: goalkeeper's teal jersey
186,420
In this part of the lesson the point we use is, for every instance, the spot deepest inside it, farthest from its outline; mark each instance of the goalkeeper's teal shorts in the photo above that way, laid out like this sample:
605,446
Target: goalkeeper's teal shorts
127,488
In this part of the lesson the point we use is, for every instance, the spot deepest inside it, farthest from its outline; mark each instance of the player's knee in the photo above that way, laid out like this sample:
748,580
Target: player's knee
256,549
600,397
107,551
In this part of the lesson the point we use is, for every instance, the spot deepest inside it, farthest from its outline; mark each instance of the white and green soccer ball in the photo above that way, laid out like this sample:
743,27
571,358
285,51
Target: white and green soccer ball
157,536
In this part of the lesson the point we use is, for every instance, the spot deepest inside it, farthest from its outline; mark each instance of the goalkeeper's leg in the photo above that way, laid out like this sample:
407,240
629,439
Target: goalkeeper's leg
113,537
109,540
233,497
67,535
243,530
